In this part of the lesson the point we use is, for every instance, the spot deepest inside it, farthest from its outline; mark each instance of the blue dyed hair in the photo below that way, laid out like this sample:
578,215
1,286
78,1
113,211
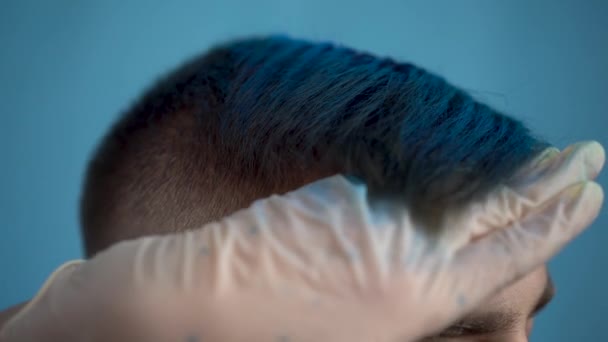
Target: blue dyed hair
263,109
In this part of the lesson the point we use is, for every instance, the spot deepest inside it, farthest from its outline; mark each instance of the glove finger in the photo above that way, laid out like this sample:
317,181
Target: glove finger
484,267
533,186
552,172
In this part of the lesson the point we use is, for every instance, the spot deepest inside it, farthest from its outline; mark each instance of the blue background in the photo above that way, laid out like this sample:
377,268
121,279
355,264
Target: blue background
67,68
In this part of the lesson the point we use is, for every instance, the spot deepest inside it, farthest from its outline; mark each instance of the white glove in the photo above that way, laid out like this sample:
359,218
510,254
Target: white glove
319,264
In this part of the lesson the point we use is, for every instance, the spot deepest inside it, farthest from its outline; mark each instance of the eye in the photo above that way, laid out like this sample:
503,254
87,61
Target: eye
457,330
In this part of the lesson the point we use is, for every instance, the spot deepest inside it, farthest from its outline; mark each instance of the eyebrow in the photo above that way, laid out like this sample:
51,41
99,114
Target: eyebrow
485,323
492,322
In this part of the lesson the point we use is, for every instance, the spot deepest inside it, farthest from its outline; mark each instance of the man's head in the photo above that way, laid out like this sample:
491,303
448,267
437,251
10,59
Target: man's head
260,116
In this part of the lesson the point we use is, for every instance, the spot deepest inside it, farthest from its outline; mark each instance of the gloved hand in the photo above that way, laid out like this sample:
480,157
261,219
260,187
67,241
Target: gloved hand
320,264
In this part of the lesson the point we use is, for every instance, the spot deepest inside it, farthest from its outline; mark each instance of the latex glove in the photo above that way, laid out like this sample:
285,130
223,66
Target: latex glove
319,264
